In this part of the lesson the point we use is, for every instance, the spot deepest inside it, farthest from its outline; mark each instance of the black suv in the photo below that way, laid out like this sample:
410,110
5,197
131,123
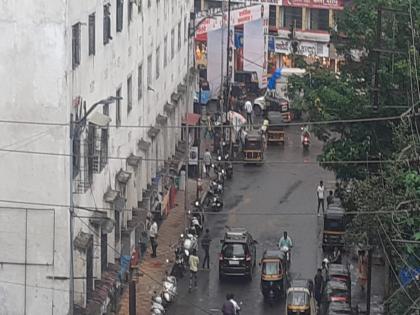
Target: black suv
238,254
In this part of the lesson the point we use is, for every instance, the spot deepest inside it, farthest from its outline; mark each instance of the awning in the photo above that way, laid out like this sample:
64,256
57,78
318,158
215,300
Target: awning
153,132
83,241
143,145
102,220
161,120
201,37
175,97
191,119
133,160
182,88
169,108
123,176
111,195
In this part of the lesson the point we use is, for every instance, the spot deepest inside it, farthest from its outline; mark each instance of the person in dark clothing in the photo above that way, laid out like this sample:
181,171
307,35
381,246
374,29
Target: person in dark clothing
330,198
228,308
319,281
205,244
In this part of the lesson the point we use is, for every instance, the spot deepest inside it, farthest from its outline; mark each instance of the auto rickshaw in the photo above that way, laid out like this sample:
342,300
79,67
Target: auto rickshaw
254,147
334,228
273,275
275,132
299,299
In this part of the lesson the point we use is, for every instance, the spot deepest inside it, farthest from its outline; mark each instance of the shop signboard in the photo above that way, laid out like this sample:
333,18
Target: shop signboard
305,48
237,17
315,4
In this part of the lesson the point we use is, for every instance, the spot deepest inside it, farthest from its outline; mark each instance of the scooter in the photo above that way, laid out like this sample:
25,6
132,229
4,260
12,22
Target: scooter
305,142
169,289
216,204
286,251
178,269
157,307
189,243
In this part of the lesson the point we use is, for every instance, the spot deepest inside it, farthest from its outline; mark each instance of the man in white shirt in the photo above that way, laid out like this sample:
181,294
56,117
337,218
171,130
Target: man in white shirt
320,195
153,232
235,305
248,109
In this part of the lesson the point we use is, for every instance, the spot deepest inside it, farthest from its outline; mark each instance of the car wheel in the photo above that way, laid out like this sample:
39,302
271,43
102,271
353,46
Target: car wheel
257,110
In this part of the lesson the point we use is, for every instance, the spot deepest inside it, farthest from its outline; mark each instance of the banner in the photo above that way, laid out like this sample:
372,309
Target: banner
237,17
193,158
254,49
315,4
305,48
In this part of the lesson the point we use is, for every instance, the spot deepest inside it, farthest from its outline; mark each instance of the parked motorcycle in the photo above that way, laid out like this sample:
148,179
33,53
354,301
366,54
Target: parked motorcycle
189,243
179,269
169,289
157,307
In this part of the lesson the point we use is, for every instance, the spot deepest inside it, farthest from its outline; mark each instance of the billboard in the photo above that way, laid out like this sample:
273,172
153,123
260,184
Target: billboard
237,17
305,48
315,4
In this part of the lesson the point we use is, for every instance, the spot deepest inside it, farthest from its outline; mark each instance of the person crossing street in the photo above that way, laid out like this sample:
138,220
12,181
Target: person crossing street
248,109
205,244
320,194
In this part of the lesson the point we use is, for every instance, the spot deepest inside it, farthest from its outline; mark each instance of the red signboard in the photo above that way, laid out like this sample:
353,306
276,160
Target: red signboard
315,4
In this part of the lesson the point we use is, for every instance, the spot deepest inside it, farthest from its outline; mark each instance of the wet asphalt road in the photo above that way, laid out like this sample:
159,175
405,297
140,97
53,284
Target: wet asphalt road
285,189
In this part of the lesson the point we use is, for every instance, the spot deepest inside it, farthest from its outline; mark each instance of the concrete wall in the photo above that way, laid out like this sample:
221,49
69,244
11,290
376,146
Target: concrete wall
39,84
33,88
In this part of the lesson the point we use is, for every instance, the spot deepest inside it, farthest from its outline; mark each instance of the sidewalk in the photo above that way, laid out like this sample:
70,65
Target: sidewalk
152,270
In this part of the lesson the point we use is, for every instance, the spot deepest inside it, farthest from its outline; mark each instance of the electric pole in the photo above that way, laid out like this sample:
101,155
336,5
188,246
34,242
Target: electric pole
293,42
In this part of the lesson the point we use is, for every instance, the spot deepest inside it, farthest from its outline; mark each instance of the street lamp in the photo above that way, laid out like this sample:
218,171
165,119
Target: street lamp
75,126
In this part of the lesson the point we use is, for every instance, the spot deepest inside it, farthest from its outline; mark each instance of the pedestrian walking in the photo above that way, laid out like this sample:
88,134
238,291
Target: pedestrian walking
228,308
209,127
248,109
362,267
193,261
205,244
324,272
143,244
320,194
207,161
153,234
330,198
319,285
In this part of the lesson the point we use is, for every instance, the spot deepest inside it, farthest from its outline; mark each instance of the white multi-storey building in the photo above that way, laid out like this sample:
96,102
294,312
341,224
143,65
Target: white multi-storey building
59,58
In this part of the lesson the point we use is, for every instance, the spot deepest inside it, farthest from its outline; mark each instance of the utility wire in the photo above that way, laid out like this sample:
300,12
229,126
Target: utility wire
351,162
323,122
251,212
393,269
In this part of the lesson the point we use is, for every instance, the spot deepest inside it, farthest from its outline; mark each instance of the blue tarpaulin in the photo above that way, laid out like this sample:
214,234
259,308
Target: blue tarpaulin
274,77
408,274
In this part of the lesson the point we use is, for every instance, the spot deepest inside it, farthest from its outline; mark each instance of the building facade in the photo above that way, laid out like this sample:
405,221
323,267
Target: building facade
61,58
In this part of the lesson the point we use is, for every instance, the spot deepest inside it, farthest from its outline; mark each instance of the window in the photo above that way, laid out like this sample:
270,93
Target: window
185,29
140,82
92,34
120,15
179,36
272,16
149,71
172,44
76,155
103,155
129,94
118,108
130,4
157,62
165,51
292,15
75,45
107,24
320,19
139,5
149,3
91,157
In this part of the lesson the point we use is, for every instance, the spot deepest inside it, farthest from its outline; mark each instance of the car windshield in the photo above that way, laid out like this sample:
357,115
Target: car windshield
231,250
297,298
271,268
